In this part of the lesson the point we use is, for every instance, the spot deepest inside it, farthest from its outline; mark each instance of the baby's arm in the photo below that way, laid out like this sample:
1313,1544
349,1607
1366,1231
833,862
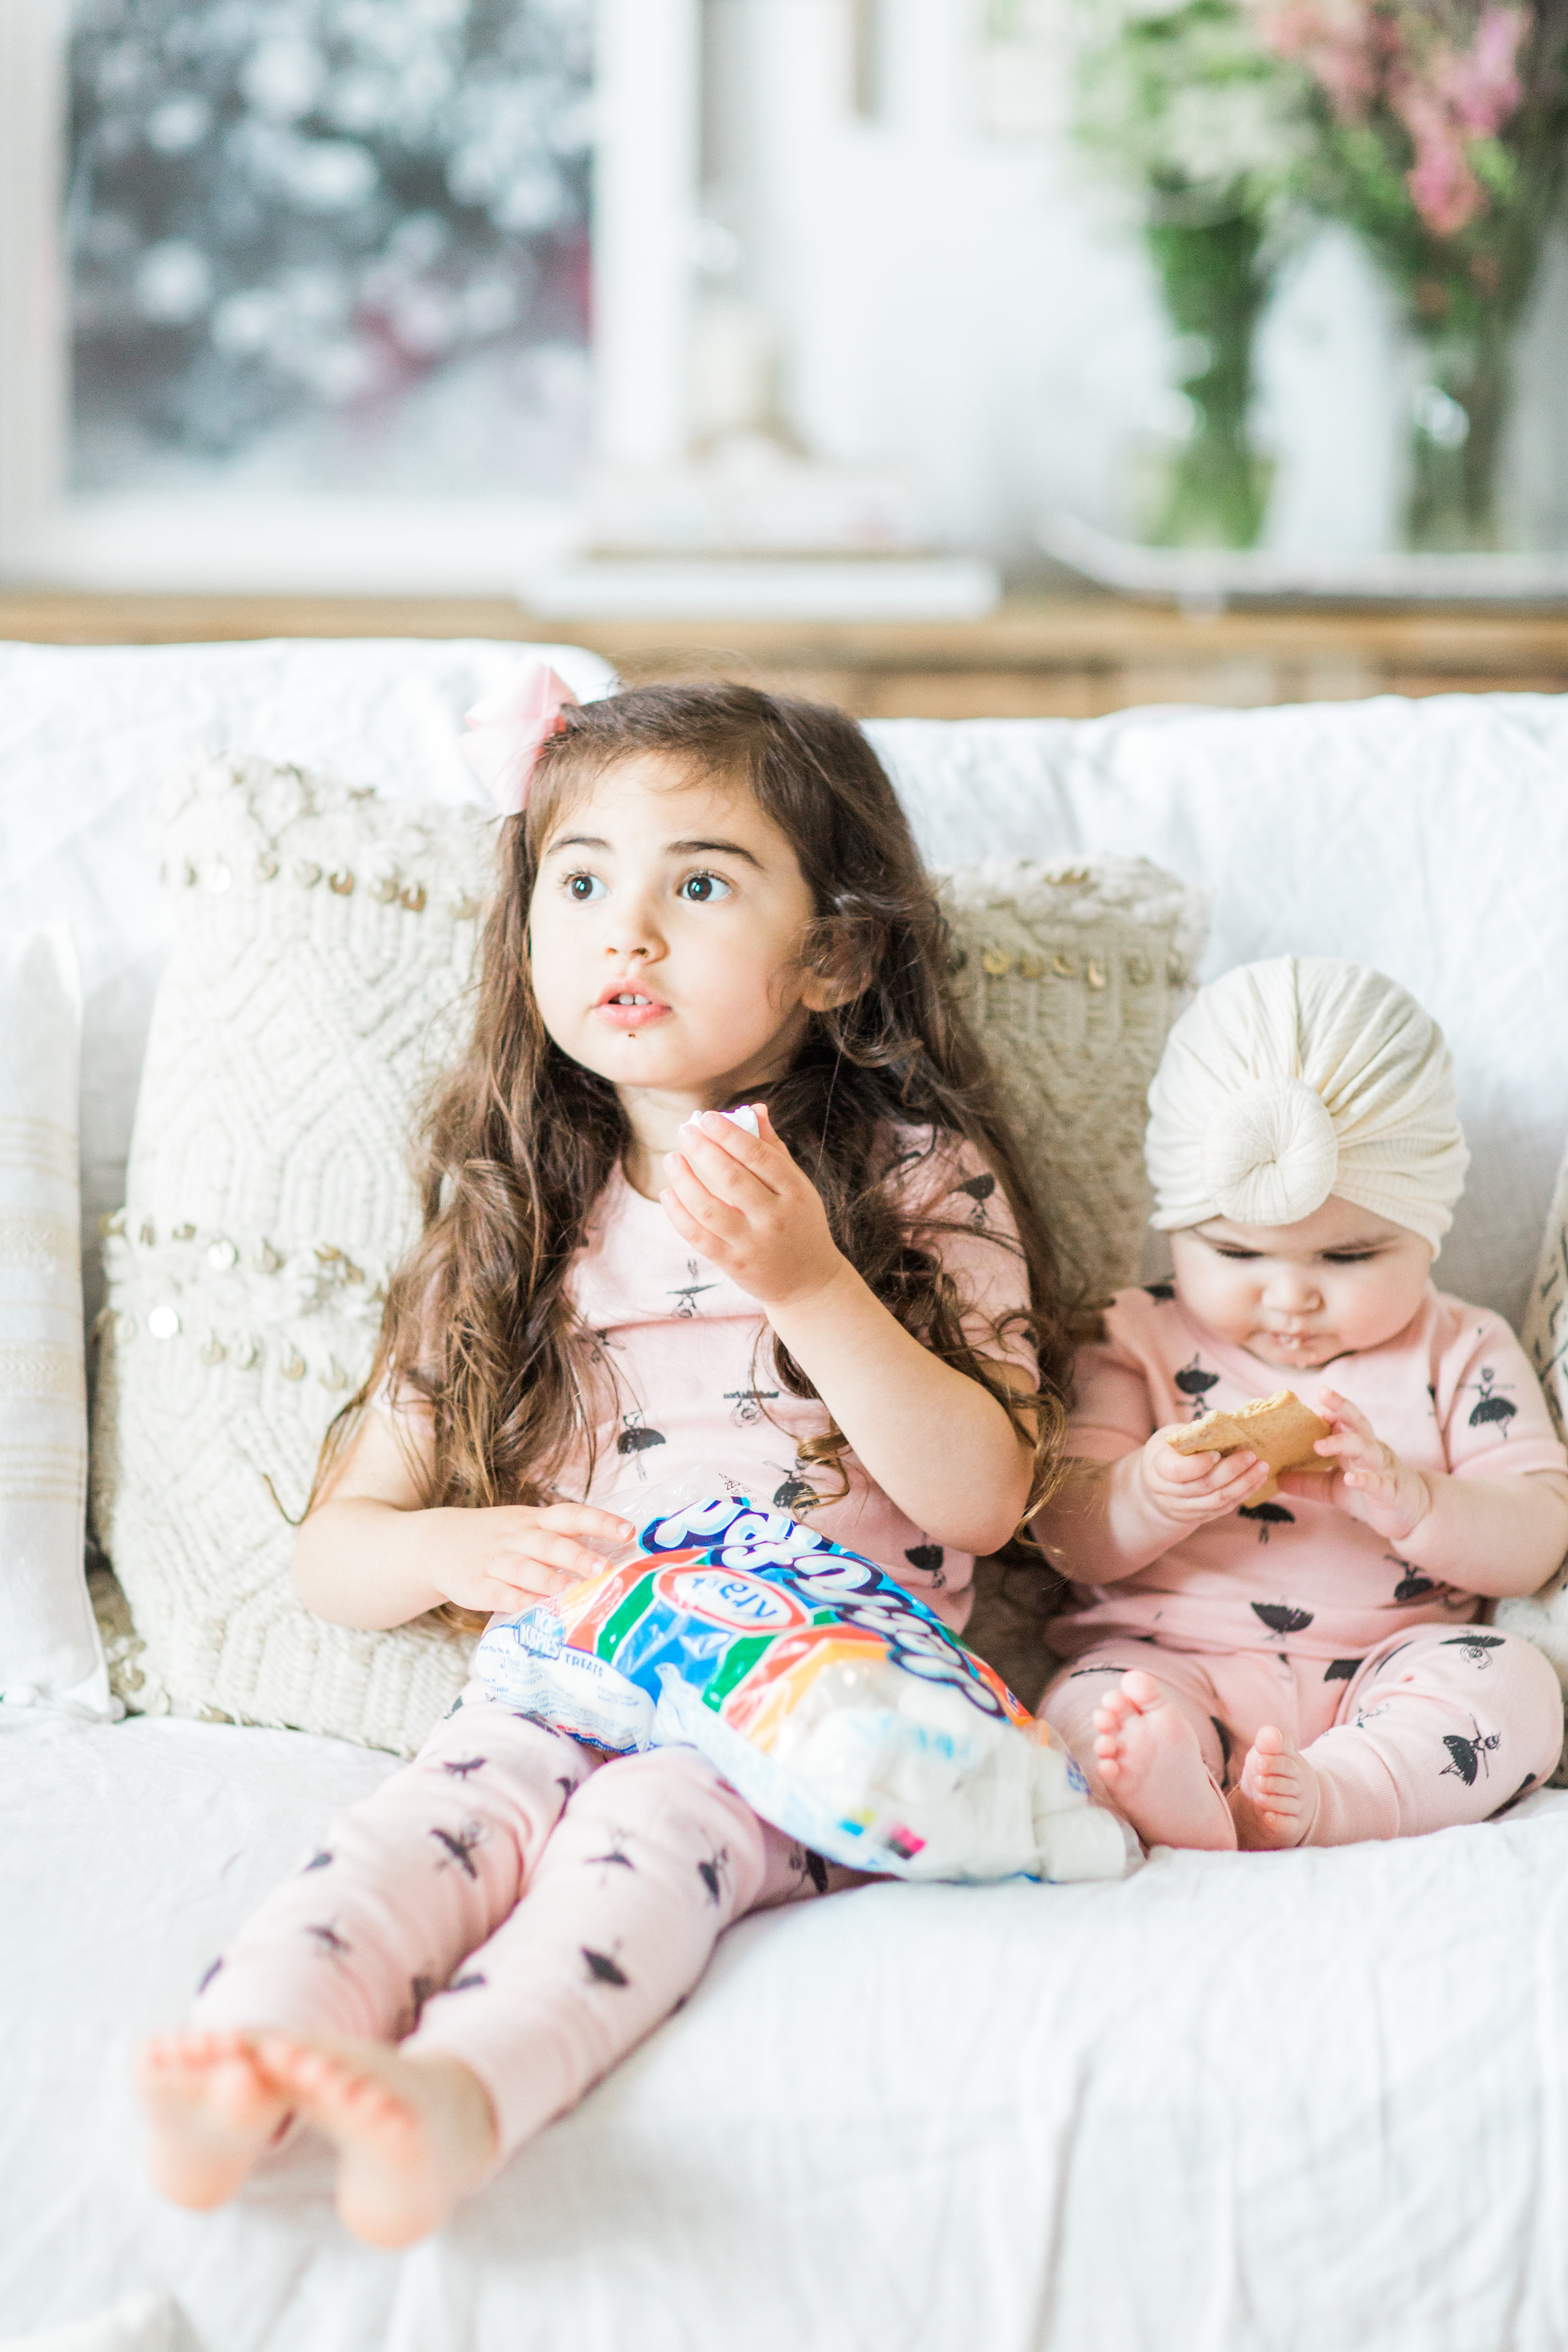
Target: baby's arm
1492,1536
367,1555
941,1448
1109,1520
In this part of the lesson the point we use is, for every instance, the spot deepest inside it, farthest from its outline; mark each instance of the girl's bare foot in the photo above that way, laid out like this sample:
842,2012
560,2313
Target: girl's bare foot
1153,1769
211,2112
414,2134
1275,1802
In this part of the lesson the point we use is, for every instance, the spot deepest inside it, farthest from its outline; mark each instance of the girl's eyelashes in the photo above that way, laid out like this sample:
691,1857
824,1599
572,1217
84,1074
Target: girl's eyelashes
703,889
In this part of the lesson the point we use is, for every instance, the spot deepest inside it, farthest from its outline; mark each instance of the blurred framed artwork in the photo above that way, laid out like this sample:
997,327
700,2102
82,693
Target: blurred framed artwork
330,293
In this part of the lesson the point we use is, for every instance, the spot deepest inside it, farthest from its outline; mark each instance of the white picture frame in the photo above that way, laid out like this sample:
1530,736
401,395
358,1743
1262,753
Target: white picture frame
647,71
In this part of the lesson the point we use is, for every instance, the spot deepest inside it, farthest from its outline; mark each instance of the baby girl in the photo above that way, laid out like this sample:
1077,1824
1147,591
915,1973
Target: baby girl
1310,1671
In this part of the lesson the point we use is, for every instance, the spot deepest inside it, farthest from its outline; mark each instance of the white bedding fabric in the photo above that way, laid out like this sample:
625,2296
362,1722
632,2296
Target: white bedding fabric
1236,2104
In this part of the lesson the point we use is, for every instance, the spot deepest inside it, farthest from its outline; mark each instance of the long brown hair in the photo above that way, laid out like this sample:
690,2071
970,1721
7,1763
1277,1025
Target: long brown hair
520,1139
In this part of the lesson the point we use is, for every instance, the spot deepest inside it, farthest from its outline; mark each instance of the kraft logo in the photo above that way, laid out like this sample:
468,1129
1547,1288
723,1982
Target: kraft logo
740,1604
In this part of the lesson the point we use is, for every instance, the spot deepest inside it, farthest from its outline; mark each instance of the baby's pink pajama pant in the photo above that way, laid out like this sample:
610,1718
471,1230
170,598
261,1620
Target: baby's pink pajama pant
1438,1725
510,1900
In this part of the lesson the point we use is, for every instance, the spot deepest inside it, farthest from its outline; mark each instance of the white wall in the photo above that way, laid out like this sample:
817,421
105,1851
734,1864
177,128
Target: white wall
977,306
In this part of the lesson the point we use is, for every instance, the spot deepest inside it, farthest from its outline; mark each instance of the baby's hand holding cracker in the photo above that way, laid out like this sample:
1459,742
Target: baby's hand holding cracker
1367,1479
1191,1489
1278,1431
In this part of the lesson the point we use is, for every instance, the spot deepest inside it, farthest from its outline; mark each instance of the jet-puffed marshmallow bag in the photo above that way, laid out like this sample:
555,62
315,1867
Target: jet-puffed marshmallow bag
836,1704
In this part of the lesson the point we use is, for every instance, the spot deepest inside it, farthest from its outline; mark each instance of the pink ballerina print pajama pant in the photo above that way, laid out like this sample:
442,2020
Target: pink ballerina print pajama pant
1438,1725
512,1901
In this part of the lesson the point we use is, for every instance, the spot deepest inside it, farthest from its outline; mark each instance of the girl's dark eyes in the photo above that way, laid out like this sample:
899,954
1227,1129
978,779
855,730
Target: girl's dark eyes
582,888
703,889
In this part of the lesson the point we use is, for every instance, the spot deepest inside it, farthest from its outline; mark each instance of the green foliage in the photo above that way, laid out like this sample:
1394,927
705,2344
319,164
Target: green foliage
1186,104
1185,101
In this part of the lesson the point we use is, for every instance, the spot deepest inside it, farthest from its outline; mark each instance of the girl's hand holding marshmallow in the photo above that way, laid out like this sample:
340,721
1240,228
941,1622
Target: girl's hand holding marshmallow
741,1202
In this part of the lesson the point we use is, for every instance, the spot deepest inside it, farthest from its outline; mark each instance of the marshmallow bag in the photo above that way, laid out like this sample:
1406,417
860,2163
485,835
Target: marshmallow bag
833,1701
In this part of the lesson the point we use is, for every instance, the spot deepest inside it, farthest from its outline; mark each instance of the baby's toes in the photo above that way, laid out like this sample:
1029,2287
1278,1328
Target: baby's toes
1138,1691
1273,1797
296,2068
1111,1716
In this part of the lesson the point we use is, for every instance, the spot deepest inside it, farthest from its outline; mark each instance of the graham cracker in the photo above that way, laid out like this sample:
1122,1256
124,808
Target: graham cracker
1280,1430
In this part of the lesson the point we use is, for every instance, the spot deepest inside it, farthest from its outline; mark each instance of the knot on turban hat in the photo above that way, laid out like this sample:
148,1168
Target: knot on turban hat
1290,1080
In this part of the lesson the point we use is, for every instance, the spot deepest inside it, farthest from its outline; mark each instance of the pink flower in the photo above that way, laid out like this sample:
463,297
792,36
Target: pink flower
1362,52
1443,188
1482,87
1445,98
1336,40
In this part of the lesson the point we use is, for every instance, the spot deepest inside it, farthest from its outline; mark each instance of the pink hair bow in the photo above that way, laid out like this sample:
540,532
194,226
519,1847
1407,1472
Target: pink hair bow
507,729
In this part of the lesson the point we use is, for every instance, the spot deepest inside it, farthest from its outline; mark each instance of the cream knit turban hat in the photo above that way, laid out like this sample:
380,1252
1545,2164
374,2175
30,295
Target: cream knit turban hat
1288,1080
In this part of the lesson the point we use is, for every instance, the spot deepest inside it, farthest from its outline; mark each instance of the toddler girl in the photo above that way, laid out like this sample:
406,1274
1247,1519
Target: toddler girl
709,897
1308,1671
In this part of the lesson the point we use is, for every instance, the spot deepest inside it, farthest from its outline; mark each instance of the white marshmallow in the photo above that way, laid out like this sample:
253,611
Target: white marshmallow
743,1118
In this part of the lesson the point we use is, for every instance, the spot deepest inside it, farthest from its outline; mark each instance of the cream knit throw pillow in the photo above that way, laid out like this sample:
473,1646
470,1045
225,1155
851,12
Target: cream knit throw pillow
324,943
1072,976
1543,1617
325,938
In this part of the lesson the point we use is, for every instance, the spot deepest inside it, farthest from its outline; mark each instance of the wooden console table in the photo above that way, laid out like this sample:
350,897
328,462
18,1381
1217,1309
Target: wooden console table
1037,656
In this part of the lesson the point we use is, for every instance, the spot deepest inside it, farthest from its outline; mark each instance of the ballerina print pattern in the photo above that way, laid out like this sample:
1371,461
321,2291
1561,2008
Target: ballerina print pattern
1452,1392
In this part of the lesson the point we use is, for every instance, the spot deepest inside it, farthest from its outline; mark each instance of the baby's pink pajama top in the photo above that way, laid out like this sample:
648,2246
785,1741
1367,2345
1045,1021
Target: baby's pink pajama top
1453,1392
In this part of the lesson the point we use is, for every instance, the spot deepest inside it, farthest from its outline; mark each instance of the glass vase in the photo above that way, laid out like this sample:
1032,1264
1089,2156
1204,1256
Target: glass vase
1215,490
1457,414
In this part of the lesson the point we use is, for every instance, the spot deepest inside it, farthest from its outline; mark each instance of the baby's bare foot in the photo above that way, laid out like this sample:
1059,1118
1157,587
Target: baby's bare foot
1152,1767
414,2134
1275,1802
211,2112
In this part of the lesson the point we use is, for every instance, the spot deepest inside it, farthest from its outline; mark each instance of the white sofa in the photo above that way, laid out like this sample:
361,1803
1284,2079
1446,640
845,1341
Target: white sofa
1240,2104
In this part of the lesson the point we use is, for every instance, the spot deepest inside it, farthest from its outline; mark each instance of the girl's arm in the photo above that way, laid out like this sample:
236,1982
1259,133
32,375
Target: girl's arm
939,1446
936,1443
367,1555
1492,1536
